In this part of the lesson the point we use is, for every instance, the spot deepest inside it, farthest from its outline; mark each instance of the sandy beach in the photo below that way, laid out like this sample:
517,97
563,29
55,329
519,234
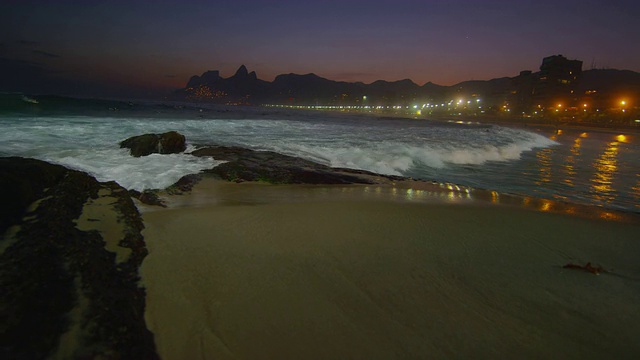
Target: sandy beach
257,271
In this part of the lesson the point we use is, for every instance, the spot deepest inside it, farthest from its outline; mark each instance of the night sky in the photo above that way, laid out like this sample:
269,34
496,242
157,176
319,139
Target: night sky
146,48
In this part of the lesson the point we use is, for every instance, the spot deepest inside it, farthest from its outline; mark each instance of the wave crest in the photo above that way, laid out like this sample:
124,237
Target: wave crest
393,158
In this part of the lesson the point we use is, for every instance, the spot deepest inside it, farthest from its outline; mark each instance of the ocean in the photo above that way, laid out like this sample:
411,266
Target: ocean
588,167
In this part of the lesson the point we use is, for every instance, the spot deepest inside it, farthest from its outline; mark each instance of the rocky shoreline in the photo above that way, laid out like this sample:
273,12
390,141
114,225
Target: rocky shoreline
71,246
69,259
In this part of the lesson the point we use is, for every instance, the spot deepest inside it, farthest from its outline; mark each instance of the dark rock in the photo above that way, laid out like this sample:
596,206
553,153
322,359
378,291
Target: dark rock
22,181
185,184
170,142
148,197
249,165
59,279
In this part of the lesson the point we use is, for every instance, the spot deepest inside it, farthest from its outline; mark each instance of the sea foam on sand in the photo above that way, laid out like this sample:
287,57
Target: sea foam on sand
239,271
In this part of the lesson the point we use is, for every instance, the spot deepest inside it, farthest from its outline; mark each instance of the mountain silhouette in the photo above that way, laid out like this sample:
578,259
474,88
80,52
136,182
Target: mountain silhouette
310,89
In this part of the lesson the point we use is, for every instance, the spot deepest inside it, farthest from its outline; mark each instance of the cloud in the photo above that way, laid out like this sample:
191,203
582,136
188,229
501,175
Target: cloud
27,43
6,61
45,54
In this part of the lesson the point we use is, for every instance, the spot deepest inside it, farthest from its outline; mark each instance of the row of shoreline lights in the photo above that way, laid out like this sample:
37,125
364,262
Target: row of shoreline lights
623,105
427,105
451,103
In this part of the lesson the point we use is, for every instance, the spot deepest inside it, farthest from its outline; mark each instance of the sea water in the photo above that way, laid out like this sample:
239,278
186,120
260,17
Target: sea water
587,167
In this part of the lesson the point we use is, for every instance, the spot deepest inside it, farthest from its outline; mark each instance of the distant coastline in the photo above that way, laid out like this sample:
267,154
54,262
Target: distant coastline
560,92
52,104
498,120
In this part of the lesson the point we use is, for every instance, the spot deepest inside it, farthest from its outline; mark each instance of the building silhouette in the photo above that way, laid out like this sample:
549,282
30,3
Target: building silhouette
553,87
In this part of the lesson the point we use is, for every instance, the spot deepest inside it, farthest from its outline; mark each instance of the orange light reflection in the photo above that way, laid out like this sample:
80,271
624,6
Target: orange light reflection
544,165
606,167
569,165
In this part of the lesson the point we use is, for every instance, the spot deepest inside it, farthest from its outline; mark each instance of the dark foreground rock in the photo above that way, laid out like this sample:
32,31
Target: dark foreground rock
149,197
249,165
170,142
69,289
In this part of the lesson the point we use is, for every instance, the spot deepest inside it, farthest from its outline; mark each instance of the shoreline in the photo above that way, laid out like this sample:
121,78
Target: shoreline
320,221
266,166
517,122
399,190
317,261
313,271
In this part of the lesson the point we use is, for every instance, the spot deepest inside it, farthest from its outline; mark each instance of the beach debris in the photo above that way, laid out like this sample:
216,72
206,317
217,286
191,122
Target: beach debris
596,270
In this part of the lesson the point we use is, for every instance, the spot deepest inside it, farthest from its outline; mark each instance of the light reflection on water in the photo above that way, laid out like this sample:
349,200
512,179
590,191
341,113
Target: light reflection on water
569,166
545,163
606,167
587,167
635,192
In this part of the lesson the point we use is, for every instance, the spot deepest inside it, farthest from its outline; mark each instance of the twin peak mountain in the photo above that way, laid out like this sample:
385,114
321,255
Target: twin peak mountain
244,87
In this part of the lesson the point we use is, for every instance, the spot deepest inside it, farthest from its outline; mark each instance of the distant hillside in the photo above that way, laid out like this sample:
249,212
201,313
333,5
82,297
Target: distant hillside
610,80
303,89
244,87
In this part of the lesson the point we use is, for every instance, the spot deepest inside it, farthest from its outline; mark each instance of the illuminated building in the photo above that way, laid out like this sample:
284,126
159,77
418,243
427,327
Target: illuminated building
555,83
557,80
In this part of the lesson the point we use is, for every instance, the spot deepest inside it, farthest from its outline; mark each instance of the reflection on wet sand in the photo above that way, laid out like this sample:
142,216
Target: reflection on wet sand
553,206
404,191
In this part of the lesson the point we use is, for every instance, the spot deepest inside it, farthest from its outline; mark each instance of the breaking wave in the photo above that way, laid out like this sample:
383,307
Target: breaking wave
387,146
395,158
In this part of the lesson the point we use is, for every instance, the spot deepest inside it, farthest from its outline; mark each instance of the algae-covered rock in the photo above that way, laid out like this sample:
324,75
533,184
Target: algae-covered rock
170,142
70,249
22,181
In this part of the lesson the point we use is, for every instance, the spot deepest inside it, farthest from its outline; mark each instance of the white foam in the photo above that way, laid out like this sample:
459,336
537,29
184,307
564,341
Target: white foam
150,172
396,158
391,147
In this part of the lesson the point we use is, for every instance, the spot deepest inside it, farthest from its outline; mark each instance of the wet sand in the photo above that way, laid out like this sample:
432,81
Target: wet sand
254,271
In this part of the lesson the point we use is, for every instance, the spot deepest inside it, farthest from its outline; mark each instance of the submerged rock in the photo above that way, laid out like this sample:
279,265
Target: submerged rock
69,257
170,142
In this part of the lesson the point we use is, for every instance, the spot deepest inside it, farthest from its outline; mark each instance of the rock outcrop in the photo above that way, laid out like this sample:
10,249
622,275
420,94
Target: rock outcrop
170,142
69,257
249,165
